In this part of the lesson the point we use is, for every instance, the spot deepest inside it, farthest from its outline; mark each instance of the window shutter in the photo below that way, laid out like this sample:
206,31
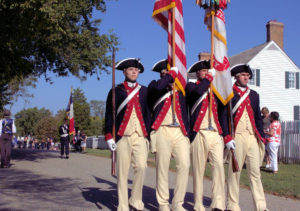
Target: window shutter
257,77
286,80
296,112
297,80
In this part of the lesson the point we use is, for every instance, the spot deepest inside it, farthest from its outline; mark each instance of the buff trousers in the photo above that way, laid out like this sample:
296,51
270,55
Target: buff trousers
131,150
208,145
247,151
170,142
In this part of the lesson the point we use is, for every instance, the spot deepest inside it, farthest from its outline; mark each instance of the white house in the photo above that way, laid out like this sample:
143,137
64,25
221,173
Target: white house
275,75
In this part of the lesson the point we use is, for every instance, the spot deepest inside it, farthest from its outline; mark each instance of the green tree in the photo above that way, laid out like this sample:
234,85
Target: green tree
27,119
97,126
46,128
81,111
98,108
42,36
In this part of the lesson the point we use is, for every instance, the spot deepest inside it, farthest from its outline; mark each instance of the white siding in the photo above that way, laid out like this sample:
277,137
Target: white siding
273,64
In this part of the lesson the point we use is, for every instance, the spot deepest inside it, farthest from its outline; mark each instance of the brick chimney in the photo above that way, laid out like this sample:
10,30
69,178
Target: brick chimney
275,32
204,56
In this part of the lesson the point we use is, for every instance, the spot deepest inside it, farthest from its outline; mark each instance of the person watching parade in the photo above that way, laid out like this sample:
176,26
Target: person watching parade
132,130
169,140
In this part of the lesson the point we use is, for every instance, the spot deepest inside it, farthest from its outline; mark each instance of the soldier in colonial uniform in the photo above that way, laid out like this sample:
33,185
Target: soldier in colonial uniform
169,140
64,139
249,139
7,129
132,129
206,143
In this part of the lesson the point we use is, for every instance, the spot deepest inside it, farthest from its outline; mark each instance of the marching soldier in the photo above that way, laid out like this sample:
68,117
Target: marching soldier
64,139
168,140
7,129
132,129
248,140
206,143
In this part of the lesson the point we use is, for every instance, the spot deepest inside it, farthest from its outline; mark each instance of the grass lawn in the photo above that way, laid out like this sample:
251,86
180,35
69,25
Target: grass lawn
285,183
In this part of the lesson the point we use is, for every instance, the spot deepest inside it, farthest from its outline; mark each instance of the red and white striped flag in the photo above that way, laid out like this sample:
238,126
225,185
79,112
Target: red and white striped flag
222,85
70,114
162,14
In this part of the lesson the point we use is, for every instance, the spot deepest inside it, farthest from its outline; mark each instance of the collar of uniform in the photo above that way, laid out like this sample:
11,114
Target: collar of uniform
240,90
130,85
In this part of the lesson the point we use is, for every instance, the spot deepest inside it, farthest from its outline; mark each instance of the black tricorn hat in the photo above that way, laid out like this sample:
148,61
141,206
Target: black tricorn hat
130,62
6,113
199,65
241,68
160,65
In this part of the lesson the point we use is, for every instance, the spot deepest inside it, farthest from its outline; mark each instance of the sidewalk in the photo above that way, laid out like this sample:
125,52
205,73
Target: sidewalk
42,181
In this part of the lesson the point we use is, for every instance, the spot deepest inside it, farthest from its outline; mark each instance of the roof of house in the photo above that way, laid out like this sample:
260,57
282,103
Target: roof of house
245,56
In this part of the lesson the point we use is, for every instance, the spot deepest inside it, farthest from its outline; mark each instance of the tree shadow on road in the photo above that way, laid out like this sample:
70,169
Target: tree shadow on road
21,188
33,155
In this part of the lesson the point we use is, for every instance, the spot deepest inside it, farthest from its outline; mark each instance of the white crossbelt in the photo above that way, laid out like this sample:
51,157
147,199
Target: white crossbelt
241,101
162,98
198,102
128,98
64,135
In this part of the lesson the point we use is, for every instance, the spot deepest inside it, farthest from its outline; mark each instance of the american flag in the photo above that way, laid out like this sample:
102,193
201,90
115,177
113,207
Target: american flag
70,114
162,14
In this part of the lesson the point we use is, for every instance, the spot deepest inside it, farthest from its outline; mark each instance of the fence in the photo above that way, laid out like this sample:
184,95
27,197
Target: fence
289,150
96,142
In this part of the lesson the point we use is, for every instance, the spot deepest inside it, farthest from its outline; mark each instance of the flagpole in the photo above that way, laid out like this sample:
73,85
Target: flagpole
211,66
113,154
235,164
174,123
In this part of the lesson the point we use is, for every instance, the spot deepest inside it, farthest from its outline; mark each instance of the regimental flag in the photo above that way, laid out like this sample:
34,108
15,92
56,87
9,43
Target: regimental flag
222,85
70,115
162,14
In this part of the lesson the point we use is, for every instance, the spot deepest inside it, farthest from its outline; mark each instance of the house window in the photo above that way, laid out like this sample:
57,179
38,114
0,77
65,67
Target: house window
291,80
296,112
255,80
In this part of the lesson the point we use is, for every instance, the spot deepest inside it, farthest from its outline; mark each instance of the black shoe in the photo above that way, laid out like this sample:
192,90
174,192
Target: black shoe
67,157
61,156
216,209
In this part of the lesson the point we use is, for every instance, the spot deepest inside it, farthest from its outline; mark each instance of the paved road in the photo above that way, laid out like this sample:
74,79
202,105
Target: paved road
41,180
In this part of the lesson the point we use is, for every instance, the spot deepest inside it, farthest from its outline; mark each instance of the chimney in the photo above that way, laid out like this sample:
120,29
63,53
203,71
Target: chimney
204,56
275,32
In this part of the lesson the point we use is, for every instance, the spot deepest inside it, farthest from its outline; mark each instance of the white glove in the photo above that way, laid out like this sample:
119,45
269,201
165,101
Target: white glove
230,145
175,69
112,145
212,72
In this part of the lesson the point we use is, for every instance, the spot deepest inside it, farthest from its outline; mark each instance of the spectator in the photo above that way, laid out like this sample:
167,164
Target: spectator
25,142
30,142
266,123
77,144
48,143
274,140
36,144
83,142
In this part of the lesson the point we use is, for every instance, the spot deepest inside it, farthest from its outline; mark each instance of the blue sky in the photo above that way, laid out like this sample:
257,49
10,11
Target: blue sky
141,37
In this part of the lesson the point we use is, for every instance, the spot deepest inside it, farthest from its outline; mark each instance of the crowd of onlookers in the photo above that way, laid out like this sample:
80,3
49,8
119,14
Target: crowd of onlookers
29,142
